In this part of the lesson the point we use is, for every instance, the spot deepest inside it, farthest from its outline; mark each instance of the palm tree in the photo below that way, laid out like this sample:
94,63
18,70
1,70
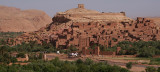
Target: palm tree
3,49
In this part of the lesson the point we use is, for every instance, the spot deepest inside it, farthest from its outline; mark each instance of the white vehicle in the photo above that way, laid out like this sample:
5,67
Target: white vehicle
73,54
58,52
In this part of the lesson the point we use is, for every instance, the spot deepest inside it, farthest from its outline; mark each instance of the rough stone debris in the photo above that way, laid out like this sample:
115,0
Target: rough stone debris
83,28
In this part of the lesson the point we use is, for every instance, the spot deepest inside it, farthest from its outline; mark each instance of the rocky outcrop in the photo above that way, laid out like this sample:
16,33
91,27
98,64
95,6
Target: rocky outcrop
16,20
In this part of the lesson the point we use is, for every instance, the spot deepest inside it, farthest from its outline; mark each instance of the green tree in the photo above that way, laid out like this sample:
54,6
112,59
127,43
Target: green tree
40,56
13,59
21,54
146,52
121,52
102,48
12,69
72,48
38,67
3,49
129,65
124,70
93,46
12,41
79,61
83,68
88,61
3,42
26,71
158,70
6,58
50,68
57,62
150,69
68,68
2,68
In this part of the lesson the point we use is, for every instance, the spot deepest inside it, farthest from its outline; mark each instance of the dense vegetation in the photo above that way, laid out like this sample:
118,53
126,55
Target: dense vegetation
140,48
36,64
155,61
32,46
5,57
56,65
152,69
6,35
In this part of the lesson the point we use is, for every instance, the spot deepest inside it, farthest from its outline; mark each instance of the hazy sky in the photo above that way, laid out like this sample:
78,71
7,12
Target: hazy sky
133,8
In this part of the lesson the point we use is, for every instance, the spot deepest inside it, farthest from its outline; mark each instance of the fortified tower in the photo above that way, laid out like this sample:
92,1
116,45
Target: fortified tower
123,13
81,6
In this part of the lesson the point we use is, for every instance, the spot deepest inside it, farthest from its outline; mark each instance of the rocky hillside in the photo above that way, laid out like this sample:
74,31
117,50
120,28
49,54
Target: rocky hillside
16,20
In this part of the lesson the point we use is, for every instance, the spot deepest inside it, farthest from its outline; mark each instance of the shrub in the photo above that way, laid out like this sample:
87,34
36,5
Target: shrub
72,48
129,65
158,70
124,70
22,55
150,69
114,39
40,56
88,61
13,60
3,69
79,61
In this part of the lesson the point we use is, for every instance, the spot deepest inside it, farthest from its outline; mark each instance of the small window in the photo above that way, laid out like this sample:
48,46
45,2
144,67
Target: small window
134,30
130,24
102,26
111,32
109,24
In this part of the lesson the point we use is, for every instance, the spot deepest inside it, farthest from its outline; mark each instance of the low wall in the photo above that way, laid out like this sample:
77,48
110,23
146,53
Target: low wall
107,53
156,56
89,51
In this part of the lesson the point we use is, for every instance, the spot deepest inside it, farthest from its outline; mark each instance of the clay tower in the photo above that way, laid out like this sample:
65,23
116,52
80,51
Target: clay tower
81,6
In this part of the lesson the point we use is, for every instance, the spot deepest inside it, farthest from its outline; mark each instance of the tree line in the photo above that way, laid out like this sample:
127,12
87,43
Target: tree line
139,48
57,65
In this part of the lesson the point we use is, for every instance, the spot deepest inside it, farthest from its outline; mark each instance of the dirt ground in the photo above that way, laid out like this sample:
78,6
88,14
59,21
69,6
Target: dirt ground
120,61
112,60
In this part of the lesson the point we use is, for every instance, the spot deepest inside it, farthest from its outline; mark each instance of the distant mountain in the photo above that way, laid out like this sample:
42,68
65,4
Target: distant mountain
16,20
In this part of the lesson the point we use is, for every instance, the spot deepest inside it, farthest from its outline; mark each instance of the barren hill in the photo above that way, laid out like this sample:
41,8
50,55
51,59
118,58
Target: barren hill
16,20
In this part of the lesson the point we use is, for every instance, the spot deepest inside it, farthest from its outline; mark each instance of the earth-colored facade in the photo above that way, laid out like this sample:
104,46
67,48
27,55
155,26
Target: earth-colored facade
82,28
